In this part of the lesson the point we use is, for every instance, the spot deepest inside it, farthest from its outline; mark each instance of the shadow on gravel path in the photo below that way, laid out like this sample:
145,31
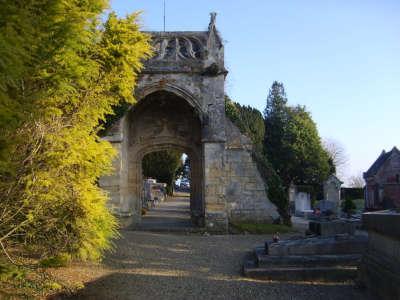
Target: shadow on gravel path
150,265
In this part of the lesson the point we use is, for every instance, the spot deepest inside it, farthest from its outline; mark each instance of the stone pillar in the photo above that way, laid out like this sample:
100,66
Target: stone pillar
196,189
111,183
214,140
216,219
122,185
132,187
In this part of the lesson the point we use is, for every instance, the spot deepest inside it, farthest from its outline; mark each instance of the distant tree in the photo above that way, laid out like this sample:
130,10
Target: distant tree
310,165
292,142
348,206
338,156
276,123
184,168
163,166
356,181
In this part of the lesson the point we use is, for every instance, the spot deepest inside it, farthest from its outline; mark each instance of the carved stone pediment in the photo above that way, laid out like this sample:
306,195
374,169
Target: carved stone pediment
179,47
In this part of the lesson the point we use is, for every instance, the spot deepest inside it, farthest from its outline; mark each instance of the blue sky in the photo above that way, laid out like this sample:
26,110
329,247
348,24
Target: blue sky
341,59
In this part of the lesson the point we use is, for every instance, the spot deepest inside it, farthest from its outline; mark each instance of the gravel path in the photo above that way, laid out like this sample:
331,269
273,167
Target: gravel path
150,265
172,214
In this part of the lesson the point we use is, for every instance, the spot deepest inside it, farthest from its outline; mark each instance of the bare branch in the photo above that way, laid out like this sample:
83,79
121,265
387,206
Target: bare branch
338,154
356,181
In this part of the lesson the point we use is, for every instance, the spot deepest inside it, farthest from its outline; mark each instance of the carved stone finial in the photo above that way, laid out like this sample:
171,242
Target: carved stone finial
213,16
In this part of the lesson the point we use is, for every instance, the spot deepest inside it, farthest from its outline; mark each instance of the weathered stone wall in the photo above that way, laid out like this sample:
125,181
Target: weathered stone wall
246,198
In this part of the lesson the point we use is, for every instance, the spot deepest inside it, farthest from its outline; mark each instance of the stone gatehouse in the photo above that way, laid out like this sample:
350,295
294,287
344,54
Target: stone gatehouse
181,106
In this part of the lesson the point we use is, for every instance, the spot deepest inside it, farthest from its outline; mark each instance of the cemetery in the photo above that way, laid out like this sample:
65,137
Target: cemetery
334,251
135,175
334,247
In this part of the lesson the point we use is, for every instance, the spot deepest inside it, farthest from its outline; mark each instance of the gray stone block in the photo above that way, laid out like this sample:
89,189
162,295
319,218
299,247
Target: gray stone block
380,266
330,228
386,222
326,260
343,244
329,274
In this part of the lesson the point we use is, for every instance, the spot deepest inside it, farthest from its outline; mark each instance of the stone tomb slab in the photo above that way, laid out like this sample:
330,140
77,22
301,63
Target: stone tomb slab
331,228
336,245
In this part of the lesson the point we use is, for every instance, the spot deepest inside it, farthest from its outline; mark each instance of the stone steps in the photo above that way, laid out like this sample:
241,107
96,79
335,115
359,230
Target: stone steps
166,229
330,274
263,260
336,245
307,259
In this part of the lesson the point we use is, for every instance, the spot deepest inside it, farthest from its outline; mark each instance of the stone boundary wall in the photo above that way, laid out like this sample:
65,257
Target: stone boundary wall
380,267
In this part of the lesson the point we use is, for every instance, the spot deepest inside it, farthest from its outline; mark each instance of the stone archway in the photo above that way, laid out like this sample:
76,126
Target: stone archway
181,105
160,121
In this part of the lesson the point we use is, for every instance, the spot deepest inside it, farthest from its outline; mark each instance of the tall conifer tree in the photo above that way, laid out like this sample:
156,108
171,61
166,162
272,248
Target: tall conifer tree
292,142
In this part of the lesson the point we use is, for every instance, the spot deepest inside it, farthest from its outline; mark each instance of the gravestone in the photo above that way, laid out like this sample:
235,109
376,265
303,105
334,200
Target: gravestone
302,203
332,193
154,192
292,197
326,206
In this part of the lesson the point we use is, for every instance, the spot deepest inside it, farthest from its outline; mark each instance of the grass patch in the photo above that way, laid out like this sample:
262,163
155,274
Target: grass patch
360,204
261,228
9,272
29,279
26,282
58,261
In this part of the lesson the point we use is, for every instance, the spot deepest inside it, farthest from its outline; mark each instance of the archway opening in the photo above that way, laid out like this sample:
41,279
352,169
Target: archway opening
163,125
183,178
166,190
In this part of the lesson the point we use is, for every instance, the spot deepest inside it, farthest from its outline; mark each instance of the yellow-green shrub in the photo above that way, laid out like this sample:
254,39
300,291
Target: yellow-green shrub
60,75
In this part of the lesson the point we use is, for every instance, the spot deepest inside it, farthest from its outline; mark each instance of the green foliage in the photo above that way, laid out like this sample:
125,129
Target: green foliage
60,260
248,119
352,193
287,146
11,272
332,166
273,185
292,143
348,206
27,282
60,75
118,111
360,204
183,169
162,165
262,228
